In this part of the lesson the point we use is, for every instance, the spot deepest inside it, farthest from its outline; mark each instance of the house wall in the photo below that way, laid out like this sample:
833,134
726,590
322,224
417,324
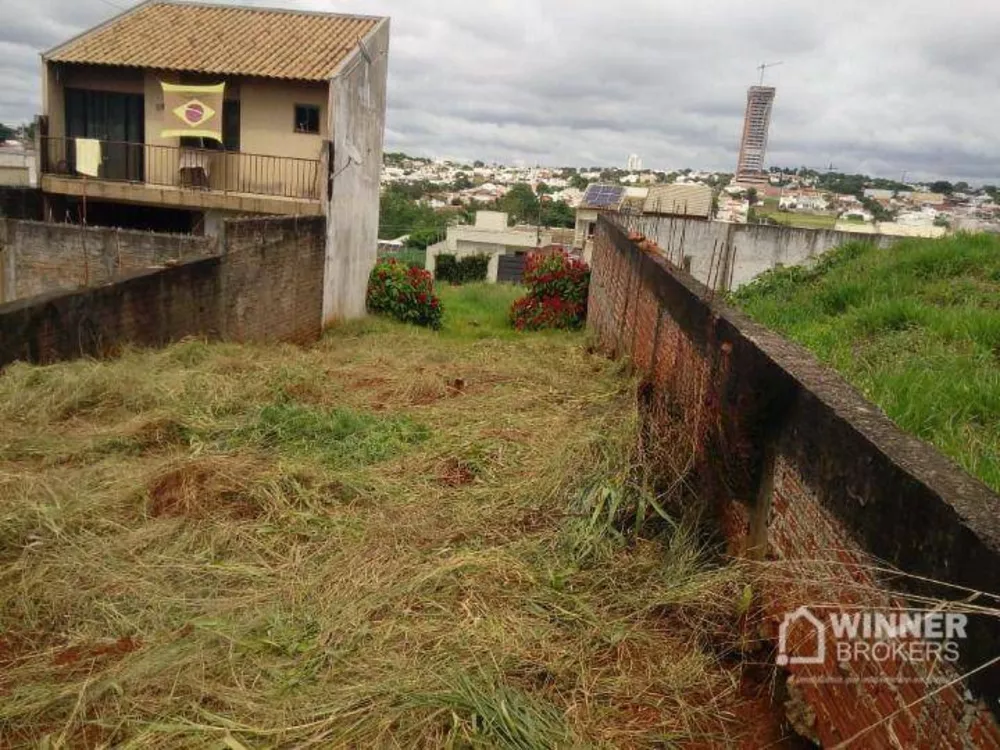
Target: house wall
267,113
800,471
266,286
583,217
268,117
39,258
357,126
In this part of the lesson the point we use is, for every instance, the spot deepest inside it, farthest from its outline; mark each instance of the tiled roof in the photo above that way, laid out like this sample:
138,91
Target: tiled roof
228,40
681,200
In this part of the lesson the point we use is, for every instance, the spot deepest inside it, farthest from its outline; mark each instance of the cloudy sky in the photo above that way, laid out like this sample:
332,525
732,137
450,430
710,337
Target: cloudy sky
876,86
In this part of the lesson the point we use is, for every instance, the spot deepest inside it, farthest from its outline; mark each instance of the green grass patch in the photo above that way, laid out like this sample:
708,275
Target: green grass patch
477,311
799,219
916,328
337,437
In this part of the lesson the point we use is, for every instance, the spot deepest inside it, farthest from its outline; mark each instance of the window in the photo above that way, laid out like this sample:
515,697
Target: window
307,118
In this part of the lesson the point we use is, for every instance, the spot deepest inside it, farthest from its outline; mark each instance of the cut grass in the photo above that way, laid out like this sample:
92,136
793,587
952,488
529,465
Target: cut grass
799,218
915,327
395,538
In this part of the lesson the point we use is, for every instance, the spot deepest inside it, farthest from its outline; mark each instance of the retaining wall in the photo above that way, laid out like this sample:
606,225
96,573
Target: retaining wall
266,286
801,471
41,257
744,250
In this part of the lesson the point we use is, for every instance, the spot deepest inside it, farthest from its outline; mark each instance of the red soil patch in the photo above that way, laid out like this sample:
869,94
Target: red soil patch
454,473
368,383
73,656
200,489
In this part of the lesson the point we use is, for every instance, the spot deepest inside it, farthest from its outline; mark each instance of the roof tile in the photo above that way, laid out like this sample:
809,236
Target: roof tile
227,40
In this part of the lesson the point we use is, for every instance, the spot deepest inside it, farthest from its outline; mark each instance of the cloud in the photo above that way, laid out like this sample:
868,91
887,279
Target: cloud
870,87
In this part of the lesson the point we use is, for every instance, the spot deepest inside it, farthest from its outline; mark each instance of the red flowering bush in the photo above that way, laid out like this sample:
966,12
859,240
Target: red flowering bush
405,293
557,293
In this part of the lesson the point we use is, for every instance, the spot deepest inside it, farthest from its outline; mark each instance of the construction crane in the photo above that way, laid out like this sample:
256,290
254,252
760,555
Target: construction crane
764,66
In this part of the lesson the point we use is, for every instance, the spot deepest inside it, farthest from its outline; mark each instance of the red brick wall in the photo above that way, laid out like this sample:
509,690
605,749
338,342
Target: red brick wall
851,494
151,308
272,279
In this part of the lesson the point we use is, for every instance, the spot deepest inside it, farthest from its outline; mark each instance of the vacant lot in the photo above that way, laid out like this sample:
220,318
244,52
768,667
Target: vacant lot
396,538
916,328
799,218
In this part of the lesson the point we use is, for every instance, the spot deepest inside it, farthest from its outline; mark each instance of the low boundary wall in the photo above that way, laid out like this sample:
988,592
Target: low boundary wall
266,286
804,473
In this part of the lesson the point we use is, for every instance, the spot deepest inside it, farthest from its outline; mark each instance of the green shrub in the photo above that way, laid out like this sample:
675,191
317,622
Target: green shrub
558,287
406,294
465,270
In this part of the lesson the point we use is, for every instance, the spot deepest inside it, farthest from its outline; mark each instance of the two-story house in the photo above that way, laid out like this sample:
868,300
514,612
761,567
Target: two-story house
176,115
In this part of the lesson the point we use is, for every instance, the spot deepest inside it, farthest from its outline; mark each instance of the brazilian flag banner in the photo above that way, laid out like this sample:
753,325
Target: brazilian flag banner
194,111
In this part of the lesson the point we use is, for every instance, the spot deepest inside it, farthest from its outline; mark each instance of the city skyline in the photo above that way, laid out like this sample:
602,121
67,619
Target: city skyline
883,95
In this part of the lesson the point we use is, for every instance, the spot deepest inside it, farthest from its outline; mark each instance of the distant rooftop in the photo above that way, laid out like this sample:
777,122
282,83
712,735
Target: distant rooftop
679,200
221,39
604,197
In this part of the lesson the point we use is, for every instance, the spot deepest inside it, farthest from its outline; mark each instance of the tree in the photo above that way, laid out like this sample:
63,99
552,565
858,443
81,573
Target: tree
543,189
6,133
462,182
879,212
942,186
558,214
752,196
421,238
578,182
961,187
401,214
520,204
478,164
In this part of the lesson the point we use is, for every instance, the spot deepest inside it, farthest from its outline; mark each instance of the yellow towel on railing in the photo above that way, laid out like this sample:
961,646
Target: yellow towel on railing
88,156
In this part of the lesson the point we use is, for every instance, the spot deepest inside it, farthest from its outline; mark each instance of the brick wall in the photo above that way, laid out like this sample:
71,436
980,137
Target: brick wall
799,469
150,308
273,278
39,257
267,286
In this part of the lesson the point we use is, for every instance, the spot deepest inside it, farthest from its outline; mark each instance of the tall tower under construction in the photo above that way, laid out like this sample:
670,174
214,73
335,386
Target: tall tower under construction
753,146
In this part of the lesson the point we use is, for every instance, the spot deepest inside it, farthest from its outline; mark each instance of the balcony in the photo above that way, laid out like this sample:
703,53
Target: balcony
192,178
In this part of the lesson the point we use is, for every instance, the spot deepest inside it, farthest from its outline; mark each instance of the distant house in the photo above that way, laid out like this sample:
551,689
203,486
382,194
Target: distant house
599,198
507,247
17,166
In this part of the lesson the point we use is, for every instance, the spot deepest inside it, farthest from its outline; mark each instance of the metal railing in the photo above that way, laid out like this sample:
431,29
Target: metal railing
191,168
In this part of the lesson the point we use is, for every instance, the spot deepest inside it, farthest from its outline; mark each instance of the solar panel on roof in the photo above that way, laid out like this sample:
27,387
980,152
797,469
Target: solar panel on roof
603,196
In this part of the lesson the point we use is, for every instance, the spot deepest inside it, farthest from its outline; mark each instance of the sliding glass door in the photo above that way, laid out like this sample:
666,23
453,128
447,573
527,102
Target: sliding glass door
116,119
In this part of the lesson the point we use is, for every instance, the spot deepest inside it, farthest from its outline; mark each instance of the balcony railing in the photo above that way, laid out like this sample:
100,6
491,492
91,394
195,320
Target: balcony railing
192,168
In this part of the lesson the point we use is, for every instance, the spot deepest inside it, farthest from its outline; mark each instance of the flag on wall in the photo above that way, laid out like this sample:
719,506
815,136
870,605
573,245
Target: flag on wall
192,111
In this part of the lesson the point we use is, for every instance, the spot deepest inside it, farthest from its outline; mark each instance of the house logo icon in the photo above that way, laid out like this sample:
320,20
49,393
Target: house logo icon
804,615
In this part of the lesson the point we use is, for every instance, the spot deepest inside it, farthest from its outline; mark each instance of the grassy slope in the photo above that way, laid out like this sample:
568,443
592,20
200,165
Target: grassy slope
394,538
916,328
800,218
